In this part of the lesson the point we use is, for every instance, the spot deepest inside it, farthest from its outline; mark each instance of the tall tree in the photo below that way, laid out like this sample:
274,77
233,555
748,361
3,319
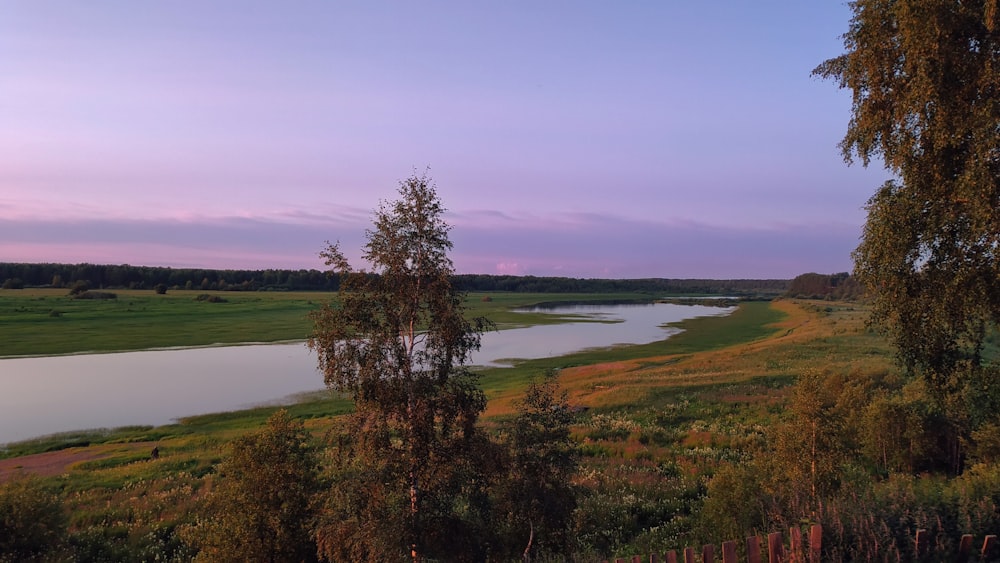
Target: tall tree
398,342
925,77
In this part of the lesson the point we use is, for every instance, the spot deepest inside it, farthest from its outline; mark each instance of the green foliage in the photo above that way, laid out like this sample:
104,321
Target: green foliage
32,522
79,287
133,277
538,497
905,431
397,342
841,287
879,521
923,76
261,508
95,295
160,289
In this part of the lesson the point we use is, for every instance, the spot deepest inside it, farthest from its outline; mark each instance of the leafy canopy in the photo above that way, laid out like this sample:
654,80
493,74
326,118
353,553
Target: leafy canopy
925,77
413,466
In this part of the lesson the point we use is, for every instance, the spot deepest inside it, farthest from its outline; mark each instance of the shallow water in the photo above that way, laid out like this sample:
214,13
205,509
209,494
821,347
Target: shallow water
40,396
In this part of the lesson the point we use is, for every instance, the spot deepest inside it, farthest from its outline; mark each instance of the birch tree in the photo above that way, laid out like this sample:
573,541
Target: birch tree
925,82
398,342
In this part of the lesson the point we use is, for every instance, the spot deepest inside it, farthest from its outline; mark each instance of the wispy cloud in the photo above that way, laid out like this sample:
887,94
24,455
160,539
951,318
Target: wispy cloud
574,245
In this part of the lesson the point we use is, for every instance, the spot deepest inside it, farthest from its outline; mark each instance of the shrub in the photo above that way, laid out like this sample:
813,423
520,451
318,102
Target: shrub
32,522
261,507
160,289
96,295
79,286
210,298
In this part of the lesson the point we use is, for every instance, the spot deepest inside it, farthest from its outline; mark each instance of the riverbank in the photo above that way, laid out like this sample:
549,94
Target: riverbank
750,321
651,429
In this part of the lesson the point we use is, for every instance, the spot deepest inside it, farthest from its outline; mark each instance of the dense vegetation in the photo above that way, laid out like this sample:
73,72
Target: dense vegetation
19,276
841,287
924,84
693,441
123,502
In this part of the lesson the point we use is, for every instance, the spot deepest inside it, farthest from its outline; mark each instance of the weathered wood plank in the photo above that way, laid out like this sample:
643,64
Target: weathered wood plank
815,543
729,552
753,549
775,548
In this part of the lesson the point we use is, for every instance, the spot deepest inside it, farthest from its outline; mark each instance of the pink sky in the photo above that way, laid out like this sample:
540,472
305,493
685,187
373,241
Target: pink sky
583,139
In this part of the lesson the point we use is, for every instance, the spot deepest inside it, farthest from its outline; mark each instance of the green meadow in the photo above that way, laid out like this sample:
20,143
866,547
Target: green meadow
40,322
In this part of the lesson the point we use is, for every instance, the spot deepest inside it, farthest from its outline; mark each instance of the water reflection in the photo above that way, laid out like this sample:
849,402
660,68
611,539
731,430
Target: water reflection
41,396
622,324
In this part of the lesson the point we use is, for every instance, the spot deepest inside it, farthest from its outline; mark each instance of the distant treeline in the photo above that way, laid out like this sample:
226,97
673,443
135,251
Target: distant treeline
148,277
840,286
18,275
659,286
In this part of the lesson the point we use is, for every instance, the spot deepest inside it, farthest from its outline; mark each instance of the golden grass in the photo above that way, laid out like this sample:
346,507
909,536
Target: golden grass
810,336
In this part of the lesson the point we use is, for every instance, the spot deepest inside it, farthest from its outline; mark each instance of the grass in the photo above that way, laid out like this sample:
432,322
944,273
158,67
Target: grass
38,322
659,419
751,321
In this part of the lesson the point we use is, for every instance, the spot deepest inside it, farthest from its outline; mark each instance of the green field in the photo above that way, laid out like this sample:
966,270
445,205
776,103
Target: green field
40,322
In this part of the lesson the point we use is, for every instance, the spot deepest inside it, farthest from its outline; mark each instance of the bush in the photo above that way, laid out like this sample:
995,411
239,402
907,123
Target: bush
13,283
79,286
96,295
160,289
261,506
32,522
210,298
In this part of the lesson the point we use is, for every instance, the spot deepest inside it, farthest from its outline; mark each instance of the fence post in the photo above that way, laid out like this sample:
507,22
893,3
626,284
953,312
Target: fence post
671,556
815,543
775,550
689,555
795,553
965,548
920,543
654,558
753,549
729,552
989,547
708,554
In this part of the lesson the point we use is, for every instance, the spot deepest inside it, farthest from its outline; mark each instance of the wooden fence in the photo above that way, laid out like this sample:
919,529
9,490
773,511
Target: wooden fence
798,551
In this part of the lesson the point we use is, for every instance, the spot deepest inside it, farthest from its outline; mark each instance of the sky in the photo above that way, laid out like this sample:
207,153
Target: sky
565,138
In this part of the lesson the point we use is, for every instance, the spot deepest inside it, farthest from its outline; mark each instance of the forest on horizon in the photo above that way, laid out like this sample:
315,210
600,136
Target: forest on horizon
18,275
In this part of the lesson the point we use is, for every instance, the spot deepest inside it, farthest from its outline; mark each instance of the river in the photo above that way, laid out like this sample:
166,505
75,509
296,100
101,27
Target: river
46,395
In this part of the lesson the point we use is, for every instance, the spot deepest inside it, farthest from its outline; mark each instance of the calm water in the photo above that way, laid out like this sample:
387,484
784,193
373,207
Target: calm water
41,396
